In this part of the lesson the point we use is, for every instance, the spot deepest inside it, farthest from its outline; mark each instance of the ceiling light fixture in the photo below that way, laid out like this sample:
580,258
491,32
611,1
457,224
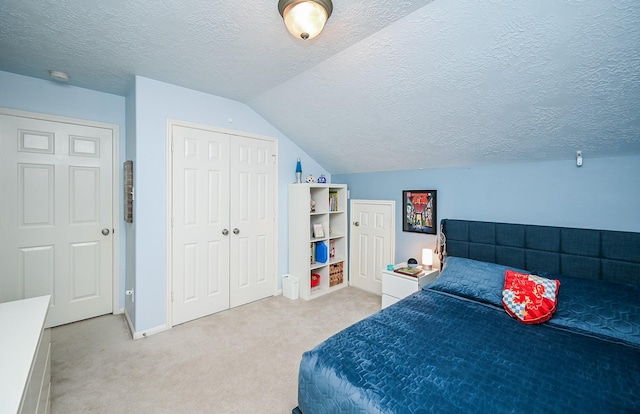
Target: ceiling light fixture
59,76
305,18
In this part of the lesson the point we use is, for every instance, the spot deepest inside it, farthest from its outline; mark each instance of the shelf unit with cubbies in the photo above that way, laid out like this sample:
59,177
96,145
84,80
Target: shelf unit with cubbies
310,206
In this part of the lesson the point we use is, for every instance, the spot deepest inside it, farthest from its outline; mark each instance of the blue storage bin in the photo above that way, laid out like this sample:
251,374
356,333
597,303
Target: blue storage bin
322,252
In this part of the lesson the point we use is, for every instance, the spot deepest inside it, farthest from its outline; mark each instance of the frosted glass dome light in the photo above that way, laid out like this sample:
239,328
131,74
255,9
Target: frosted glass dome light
305,19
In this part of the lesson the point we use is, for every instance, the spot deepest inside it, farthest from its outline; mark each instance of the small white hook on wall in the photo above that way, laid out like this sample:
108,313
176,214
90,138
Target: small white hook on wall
579,158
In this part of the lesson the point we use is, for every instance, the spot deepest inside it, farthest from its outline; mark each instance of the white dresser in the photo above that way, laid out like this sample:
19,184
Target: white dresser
25,356
396,286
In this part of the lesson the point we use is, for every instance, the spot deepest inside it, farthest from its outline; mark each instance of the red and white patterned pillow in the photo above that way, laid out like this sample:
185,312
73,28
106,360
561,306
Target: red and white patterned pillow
529,298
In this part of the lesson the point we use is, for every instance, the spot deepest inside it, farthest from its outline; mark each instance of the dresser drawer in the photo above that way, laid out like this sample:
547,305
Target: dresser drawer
388,300
398,287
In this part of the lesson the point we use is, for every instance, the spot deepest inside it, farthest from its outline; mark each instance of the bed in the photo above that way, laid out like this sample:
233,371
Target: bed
452,347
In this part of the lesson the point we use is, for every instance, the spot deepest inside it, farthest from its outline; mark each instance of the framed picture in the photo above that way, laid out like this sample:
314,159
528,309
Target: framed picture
420,211
318,231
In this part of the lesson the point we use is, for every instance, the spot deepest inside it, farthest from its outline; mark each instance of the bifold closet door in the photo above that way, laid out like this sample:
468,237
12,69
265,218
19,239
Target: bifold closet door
252,218
223,230
200,223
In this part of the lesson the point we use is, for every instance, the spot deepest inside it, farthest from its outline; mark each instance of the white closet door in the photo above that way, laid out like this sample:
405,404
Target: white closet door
200,219
56,216
253,215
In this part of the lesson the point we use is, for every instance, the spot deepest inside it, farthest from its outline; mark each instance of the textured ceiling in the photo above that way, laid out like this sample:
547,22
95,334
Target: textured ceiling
388,85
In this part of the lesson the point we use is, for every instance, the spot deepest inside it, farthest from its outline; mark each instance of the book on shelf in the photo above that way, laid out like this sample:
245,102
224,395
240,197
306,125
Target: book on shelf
409,271
313,252
333,201
332,249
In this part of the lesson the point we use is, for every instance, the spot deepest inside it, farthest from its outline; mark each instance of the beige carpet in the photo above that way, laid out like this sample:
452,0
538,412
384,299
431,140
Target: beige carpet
244,360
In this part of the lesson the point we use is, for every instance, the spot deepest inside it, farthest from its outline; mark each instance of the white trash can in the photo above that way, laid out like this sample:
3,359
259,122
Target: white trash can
290,286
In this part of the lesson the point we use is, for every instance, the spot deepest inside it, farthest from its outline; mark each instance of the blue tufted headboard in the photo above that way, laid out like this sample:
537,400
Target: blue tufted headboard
594,254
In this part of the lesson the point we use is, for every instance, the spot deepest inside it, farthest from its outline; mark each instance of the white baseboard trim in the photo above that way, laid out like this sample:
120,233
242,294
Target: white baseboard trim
148,332
119,311
129,323
279,292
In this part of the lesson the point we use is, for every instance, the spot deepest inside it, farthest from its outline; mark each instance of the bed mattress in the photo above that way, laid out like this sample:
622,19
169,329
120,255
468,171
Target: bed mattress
437,352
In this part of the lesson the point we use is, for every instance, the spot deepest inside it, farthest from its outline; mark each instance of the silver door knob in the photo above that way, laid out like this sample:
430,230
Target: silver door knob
356,223
236,231
225,232
105,232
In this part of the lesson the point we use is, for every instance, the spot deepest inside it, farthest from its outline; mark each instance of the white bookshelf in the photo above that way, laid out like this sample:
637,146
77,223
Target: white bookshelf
301,236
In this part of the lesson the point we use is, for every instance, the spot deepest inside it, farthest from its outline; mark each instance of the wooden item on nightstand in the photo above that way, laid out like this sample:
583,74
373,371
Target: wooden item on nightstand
396,286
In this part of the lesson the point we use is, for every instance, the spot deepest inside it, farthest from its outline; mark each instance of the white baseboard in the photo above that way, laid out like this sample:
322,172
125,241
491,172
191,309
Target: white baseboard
146,332
129,323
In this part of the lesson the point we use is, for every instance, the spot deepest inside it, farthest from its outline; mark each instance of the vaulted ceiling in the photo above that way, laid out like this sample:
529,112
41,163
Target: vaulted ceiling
387,85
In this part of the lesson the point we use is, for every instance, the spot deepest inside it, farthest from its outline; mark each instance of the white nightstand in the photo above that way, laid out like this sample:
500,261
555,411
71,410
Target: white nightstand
396,286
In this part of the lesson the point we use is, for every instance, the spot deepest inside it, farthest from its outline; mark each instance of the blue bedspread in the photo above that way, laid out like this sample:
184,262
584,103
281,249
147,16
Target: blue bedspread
437,353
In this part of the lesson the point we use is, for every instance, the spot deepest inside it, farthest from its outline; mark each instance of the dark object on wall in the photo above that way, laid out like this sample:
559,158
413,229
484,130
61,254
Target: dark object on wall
419,211
128,191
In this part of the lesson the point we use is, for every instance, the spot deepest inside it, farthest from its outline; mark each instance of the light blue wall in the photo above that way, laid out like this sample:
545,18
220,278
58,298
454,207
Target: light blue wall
130,259
142,118
47,97
155,102
602,194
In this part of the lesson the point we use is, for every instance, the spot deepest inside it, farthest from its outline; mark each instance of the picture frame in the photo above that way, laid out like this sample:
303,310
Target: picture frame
420,211
318,231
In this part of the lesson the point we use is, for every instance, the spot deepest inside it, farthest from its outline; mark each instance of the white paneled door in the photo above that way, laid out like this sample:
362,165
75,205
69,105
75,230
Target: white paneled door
252,217
223,221
56,216
200,225
372,242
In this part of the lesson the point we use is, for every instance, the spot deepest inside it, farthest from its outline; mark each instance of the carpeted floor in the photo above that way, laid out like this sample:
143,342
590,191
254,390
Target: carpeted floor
244,360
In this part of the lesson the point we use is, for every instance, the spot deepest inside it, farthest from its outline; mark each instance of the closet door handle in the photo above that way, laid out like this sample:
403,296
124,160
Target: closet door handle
236,231
225,232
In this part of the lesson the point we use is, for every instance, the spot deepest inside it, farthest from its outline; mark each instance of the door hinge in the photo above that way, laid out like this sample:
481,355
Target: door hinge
173,145
172,296
274,158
